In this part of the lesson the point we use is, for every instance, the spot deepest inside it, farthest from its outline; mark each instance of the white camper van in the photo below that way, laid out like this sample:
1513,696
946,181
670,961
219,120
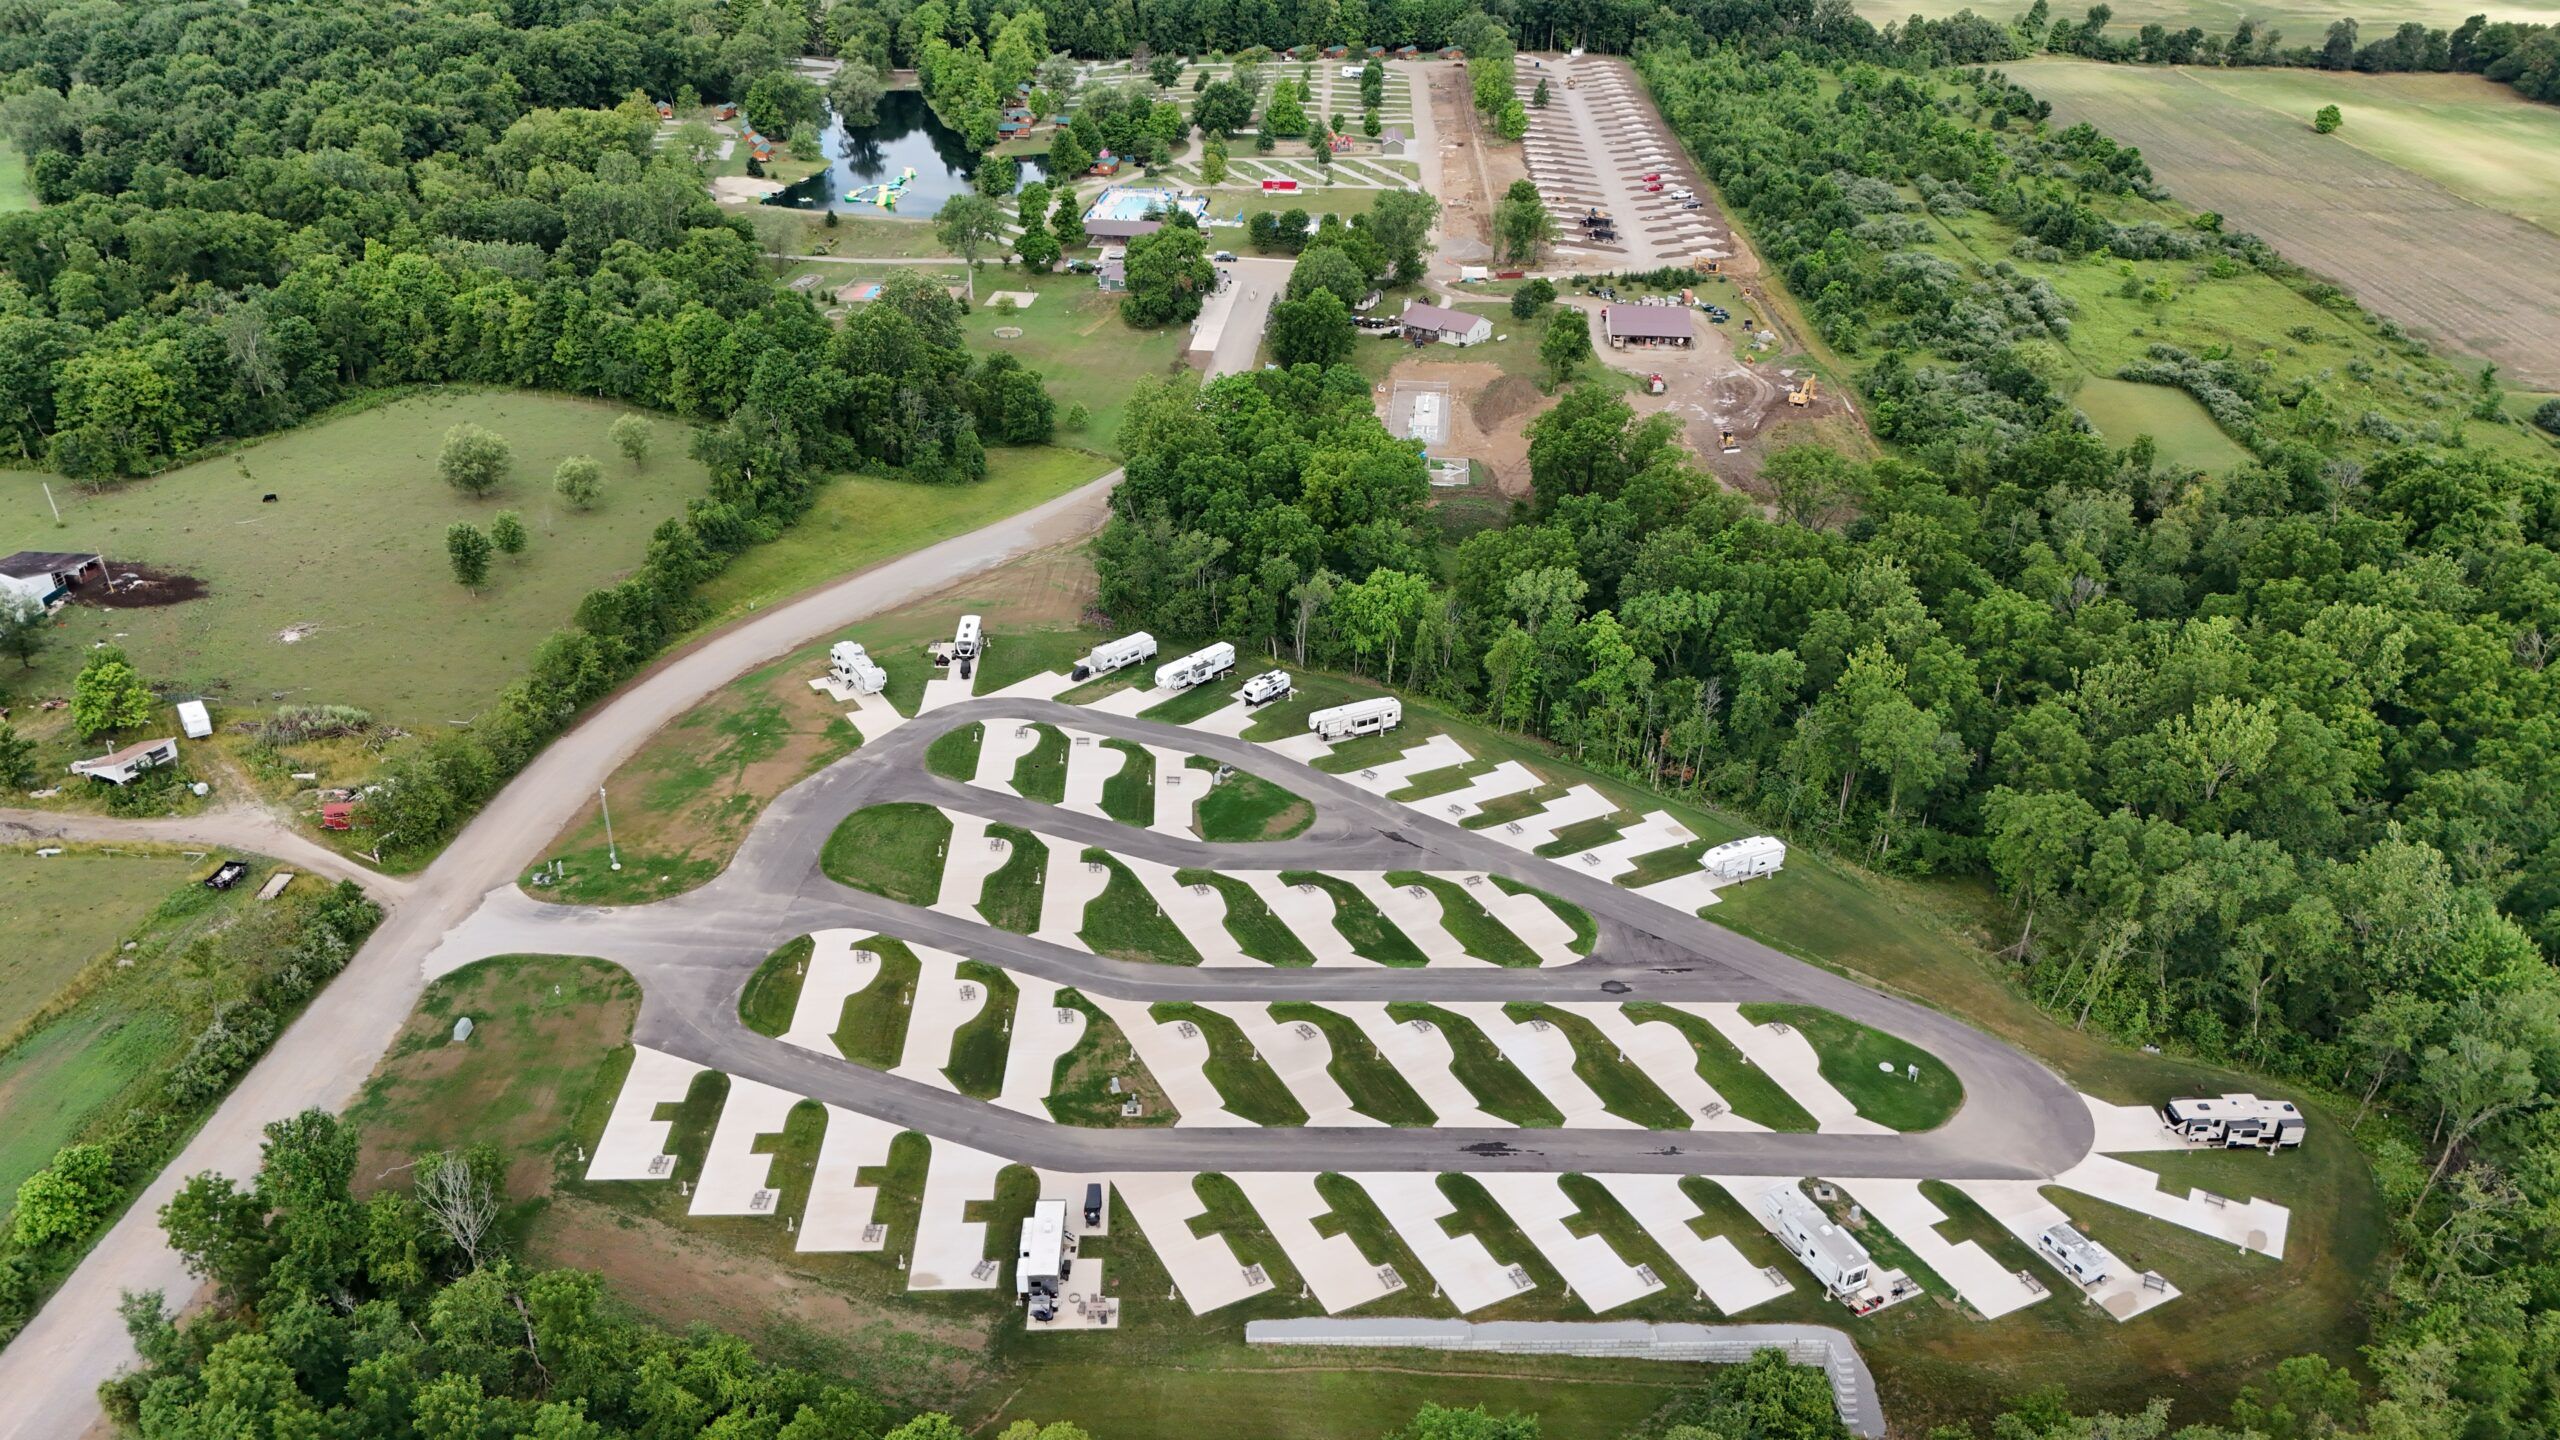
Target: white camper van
1360,717
968,645
854,669
1266,687
1197,667
1113,655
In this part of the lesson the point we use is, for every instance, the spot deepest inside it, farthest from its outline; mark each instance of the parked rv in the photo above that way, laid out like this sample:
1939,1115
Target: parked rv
968,645
1113,655
1360,717
2232,1121
2078,1256
854,669
1742,859
1266,687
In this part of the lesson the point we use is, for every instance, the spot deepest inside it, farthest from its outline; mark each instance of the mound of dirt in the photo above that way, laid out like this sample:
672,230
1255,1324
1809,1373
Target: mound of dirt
1510,396
139,587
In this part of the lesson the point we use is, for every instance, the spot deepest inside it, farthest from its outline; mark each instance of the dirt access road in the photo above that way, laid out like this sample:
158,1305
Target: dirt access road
51,1371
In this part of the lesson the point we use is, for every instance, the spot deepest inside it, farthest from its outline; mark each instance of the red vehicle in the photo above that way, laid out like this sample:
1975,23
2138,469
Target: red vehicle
1653,177
1654,189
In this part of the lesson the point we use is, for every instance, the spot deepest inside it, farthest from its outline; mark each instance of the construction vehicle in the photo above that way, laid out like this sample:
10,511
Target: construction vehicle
1360,717
1266,687
855,670
1197,667
1653,384
1731,445
1113,655
1715,267
1802,395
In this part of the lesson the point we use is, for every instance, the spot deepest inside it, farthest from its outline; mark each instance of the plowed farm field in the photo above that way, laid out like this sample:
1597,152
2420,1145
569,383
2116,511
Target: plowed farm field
2436,205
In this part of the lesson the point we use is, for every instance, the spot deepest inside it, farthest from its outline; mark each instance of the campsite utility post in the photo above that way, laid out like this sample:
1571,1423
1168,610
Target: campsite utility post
611,854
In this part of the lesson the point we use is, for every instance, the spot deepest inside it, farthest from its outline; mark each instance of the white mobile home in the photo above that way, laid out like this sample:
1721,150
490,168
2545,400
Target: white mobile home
1742,859
1266,687
2232,1121
854,669
44,576
1113,655
2076,1255
120,767
1197,667
1360,717
1831,1253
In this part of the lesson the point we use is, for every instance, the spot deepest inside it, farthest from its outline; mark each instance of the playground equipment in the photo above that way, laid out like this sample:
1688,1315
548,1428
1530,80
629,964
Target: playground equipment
886,193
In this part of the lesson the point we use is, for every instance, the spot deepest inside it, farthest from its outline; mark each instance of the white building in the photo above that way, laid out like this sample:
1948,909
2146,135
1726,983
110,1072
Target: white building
1449,327
1742,859
195,720
2236,1120
1040,1265
43,576
120,767
1831,1253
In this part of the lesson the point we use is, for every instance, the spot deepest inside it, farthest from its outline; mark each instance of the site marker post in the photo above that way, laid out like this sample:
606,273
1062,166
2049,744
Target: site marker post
611,853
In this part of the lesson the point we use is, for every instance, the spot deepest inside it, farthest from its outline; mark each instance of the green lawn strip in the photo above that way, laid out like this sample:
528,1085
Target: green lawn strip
1443,780
1080,1090
773,992
1250,923
1233,1219
1518,805
1012,896
901,1186
953,755
1376,1088
978,1047
1480,1215
1020,654
1196,703
1585,933
1622,1088
1582,835
1745,1086
873,1031
1969,1221
1130,795
1042,774
1370,751
1466,919
1851,1054
794,1167
1372,935
1133,677
692,1120
890,850
1356,1215
1243,808
1125,921
1658,865
1244,1080
1599,1213
1500,1090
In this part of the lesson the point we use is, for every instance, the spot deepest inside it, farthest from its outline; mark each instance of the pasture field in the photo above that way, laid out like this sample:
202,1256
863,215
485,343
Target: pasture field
15,192
1074,336
2301,22
62,912
2437,205
2183,430
350,558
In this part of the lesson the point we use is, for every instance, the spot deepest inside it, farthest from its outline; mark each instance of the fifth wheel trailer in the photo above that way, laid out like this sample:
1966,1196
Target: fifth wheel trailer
854,669
1113,655
1196,667
1360,717
1742,859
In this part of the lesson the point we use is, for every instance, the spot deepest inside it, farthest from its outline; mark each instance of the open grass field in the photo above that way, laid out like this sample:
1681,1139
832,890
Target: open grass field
1074,336
892,850
350,559
2437,205
2176,422
15,192
2302,22
861,520
61,913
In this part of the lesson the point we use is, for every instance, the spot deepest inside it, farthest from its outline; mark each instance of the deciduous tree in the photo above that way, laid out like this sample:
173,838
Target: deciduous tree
468,551
474,461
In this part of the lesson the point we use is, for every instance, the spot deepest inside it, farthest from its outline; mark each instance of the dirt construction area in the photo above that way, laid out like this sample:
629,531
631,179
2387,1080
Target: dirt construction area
1711,393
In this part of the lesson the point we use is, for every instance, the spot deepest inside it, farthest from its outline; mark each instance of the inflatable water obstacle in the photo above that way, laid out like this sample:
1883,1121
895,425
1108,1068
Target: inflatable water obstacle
885,195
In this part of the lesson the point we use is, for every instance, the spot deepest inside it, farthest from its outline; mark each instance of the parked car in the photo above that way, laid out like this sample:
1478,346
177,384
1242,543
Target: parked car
1224,257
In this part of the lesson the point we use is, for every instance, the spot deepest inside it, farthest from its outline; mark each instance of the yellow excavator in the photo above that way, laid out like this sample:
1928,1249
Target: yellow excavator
1802,395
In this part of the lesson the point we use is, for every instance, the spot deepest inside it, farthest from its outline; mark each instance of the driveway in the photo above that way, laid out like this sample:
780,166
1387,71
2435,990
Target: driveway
51,1371
1238,344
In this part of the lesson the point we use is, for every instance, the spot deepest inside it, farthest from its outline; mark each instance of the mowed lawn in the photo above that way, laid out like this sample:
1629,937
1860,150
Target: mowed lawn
351,557
61,913
1074,336
15,192
862,520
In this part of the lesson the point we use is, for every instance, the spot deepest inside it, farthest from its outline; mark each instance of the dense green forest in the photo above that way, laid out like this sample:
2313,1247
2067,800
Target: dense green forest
2265,762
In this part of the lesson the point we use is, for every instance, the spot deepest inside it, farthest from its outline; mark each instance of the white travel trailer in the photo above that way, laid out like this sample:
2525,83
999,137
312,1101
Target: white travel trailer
2232,1121
1831,1253
1742,859
1360,717
854,669
2076,1255
1197,667
1040,1266
1113,655
1266,687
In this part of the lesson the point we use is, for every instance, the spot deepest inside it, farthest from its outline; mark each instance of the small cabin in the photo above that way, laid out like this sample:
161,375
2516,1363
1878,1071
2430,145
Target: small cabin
121,767
1336,52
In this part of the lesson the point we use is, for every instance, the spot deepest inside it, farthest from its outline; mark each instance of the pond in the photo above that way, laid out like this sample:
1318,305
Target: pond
908,135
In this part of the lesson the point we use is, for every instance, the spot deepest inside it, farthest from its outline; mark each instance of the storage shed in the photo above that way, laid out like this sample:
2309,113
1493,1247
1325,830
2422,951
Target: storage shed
194,720
44,576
